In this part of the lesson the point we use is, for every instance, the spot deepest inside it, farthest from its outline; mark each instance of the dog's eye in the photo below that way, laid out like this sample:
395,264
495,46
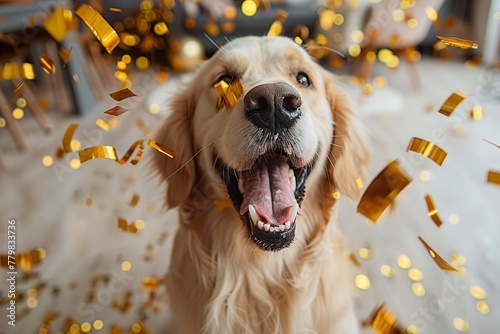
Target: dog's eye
303,79
225,77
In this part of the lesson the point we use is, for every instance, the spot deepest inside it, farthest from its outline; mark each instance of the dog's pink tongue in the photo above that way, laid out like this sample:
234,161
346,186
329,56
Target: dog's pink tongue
267,188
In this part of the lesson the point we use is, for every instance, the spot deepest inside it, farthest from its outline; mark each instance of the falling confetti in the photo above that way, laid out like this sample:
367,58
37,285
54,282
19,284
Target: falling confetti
116,111
122,94
99,27
452,103
458,42
445,266
427,149
432,211
228,93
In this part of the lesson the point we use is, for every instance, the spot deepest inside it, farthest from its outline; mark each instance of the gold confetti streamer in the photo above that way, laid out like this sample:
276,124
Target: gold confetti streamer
68,136
101,29
122,94
383,321
65,55
383,190
133,202
150,283
427,149
433,212
452,103
493,177
160,148
492,143
116,111
59,23
102,124
126,227
445,266
47,64
458,42
11,71
227,93
223,204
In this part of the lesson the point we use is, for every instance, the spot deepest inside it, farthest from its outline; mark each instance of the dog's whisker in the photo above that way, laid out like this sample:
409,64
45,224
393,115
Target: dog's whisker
325,48
217,45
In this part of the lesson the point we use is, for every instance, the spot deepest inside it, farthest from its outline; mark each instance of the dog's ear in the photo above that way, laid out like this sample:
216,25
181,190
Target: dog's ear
349,153
176,134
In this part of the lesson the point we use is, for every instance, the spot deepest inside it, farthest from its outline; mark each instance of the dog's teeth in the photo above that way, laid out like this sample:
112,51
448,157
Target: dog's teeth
271,229
241,186
267,227
287,225
260,225
293,214
293,182
282,228
253,214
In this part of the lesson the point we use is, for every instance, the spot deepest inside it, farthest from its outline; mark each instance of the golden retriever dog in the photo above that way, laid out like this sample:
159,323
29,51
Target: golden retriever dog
273,261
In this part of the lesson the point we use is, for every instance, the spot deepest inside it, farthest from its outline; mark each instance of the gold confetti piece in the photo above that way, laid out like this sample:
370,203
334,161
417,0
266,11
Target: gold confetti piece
354,260
126,265
362,282
403,261
365,253
58,23
383,190
47,64
387,271
445,266
336,195
452,103
433,212
18,88
47,161
102,124
85,327
460,325
116,111
427,149
483,307
415,274
101,29
133,202
160,148
88,201
492,143
150,283
140,224
418,289
359,183
493,177
25,260
383,321
115,10
68,136
228,93
122,94
477,112
125,227
65,55
477,292
11,71
458,42
98,325
223,204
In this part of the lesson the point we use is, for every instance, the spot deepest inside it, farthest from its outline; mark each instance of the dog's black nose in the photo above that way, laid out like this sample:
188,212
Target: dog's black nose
273,106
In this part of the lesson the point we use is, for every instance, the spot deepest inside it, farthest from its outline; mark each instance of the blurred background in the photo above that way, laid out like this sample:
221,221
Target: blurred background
92,237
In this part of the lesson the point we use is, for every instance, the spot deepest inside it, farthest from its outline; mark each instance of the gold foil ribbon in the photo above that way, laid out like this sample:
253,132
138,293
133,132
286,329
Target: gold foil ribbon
383,190
445,266
458,42
116,111
68,135
452,103
427,149
47,64
493,177
11,71
383,321
432,211
228,93
122,94
101,29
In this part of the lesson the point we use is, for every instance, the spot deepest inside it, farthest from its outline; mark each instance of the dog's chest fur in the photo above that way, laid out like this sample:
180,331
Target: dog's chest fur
229,286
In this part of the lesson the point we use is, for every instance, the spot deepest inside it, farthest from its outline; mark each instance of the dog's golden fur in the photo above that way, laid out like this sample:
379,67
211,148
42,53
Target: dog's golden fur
219,281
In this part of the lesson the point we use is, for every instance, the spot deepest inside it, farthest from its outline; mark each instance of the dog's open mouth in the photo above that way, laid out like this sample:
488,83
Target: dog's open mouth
268,197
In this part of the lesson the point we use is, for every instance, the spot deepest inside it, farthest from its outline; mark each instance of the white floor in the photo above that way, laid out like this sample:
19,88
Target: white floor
82,241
